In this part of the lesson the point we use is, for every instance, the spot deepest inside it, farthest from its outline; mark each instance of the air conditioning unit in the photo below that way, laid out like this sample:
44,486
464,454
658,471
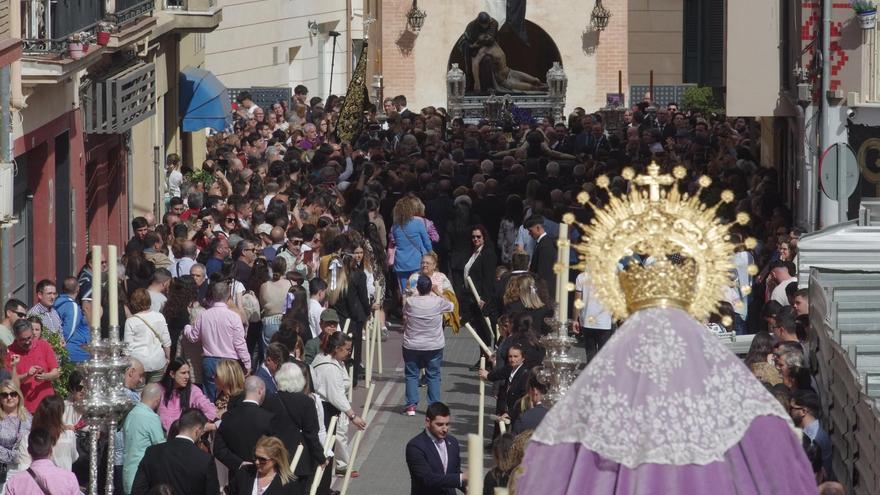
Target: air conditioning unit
7,183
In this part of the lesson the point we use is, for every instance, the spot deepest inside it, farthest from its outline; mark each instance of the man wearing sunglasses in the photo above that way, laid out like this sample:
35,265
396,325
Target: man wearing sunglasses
12,311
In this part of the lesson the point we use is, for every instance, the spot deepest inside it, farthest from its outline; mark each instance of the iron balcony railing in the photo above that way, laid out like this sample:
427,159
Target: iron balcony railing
49,25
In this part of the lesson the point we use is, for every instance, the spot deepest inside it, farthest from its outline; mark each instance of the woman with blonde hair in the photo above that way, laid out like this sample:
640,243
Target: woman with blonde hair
526,294
269,474
15,424
229,380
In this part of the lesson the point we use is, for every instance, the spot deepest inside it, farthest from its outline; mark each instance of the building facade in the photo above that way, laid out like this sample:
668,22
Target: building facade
94,108
282,43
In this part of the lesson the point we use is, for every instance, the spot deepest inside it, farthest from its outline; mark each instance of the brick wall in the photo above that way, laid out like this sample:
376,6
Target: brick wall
398,64
612,52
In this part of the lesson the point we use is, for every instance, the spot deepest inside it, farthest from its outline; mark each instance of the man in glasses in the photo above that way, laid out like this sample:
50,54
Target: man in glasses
37,365
12,311
292,252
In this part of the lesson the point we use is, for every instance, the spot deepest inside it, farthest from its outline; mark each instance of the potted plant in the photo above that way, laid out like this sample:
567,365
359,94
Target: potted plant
103,33
76,45
866,10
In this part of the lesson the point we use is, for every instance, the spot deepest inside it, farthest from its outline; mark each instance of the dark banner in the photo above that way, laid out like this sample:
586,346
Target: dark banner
516,17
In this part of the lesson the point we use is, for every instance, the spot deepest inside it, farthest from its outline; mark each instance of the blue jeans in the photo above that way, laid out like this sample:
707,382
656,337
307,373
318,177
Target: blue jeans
403,280
414,362
209,369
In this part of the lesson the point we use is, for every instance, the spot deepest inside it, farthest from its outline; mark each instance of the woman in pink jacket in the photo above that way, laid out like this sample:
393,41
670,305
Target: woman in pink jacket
180,395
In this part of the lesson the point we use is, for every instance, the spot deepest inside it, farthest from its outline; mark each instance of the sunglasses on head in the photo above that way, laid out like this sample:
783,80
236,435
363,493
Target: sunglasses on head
6,395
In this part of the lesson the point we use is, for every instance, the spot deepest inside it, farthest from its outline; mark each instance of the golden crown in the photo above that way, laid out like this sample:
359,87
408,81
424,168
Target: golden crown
657,247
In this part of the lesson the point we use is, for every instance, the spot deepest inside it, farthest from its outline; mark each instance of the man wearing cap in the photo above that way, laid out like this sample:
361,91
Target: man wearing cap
329,325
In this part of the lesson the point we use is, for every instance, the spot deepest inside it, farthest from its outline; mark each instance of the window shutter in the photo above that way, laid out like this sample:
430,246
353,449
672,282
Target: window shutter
713,37
691,42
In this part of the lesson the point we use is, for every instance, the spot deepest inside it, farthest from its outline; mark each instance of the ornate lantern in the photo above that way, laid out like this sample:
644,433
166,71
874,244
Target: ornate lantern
557,81
415,18
599,17
492,107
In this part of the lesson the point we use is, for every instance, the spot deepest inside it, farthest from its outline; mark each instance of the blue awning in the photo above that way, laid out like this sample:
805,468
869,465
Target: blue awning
204,101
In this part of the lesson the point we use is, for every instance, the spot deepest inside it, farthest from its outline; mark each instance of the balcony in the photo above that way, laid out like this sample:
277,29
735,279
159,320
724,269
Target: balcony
195,16
48,25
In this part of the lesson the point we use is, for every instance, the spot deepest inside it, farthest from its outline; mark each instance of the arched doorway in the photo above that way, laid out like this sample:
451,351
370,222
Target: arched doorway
534,58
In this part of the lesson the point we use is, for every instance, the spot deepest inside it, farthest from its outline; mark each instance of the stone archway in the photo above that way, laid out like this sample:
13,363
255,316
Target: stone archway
534,58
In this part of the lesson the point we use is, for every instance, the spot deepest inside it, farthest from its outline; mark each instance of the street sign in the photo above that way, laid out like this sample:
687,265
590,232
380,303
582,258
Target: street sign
839,171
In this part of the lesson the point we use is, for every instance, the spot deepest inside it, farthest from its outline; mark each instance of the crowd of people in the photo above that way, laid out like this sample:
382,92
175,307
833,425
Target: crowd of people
245,302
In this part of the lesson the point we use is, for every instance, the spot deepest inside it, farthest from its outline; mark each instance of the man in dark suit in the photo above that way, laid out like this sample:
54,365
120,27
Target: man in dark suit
531,418
544,256
400,104
433,456
242,426
179,463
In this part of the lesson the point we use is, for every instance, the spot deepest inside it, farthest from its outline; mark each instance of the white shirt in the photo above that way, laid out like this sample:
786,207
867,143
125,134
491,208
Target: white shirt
778,293
315,310
157,301
593,315
175,178
181,267
146,344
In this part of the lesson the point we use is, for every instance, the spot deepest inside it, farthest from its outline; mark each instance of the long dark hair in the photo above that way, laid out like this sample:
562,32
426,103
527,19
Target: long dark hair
50,416
182,292
762,345
259,275
522,329
487,241
168,383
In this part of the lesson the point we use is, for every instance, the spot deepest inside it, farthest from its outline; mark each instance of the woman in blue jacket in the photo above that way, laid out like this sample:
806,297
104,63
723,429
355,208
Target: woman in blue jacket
410,238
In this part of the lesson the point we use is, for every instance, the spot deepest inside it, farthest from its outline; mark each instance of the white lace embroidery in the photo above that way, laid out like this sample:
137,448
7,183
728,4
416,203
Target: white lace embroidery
713,348
617,409
658,354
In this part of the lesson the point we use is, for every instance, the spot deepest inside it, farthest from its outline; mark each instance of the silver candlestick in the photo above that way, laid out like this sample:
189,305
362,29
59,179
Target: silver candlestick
560,367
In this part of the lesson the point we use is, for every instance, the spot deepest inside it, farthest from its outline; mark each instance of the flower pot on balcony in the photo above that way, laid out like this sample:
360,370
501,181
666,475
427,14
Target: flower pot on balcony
868,19
75,50
103,37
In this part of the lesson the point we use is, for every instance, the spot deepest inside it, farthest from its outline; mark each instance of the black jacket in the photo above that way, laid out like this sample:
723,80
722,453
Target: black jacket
529,419
295,421
355,302
482,272
239,431
243,484
543,260
179,464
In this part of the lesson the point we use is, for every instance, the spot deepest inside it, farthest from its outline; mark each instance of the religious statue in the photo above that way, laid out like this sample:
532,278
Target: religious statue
664,407
503,78
486,63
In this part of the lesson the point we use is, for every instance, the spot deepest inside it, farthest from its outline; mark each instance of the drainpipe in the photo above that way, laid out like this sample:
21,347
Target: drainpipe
828,208
6,156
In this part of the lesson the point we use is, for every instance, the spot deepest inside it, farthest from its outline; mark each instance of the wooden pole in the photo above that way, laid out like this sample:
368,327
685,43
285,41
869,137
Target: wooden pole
492,335
651,86
357,443
378,346
620,83
296,456
368,344
478,339
475,464
328,444
481,408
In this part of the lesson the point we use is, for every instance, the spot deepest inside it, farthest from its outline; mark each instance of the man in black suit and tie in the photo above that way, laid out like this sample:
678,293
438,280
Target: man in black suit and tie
544,256
531,418
179,463
242,426
433,456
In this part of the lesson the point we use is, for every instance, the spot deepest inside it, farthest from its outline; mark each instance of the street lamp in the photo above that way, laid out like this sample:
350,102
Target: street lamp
415,18
599,17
